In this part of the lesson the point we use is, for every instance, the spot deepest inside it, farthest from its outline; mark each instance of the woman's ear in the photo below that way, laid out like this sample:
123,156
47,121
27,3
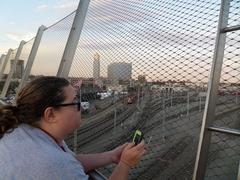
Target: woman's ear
49,115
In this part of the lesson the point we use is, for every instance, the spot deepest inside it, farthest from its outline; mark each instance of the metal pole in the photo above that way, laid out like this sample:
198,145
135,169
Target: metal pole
200,104
13,68
209,112
5,63
75,141
2,59
31,57
73,39
164,117
114,121
238,176
188,104
80,94
138,96
75,133
229,131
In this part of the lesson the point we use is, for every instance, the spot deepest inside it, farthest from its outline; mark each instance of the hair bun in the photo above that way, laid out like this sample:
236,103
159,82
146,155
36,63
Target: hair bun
8,119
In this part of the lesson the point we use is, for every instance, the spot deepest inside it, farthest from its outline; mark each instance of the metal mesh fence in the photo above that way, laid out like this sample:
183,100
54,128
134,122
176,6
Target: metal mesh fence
223,158
2,61
234,13
19,70
8,65
145,65
51,48
26,51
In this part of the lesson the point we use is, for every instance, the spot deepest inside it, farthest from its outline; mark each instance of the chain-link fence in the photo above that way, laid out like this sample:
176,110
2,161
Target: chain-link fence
19,68
223,157
9,62
51,47
26,51
145,64
3,56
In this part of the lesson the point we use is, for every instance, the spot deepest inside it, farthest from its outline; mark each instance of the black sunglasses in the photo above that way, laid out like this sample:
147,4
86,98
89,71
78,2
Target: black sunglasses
70,104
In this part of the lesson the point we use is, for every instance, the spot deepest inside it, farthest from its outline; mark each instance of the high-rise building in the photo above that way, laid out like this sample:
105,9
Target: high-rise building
18,73
119,71
96,66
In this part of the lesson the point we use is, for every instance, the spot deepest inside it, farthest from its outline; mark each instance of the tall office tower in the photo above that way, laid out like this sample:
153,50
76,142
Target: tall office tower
18,73
96,66
119,71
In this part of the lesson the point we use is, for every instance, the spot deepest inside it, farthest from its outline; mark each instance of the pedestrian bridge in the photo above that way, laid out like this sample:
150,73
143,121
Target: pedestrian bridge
168,68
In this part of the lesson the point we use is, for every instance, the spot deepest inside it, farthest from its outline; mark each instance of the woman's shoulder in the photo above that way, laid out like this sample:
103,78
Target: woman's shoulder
29,150
28,143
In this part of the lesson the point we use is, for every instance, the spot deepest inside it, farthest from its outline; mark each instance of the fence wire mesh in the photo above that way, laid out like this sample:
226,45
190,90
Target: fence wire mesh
8,65
2,61
51,47
145,65
223,158
234,13
26,51
19,70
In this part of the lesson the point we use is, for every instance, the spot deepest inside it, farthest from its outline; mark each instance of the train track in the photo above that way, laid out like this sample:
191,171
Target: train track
150,110
95,130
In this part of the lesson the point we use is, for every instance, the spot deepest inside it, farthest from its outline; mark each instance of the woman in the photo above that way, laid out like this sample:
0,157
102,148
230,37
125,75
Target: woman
32,136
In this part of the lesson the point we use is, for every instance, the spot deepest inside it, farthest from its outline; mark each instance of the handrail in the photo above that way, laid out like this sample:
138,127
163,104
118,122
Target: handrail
95,175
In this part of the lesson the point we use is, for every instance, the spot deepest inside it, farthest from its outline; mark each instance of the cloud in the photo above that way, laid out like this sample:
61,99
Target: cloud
43,7
12,23
64,5
18,36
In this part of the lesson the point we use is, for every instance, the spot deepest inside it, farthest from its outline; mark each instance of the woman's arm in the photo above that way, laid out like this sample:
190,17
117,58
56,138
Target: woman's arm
120,172
130,157
127,156
94,161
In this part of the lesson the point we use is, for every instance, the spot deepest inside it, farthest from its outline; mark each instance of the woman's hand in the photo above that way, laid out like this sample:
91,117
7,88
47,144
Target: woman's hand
127,156
117,152
132,154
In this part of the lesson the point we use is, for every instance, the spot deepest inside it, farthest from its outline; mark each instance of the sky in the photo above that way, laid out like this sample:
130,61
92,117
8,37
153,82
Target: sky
161,38
21,19
128,31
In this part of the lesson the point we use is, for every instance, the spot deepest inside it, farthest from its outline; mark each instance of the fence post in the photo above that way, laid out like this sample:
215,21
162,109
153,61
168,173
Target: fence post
188,101
73,39
31,57
13,68
2,59
5,63
211,99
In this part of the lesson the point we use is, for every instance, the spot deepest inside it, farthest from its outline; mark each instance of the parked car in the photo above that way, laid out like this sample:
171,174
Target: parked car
236,93
85,106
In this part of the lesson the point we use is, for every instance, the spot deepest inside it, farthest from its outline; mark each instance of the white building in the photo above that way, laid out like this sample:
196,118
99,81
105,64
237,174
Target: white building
96,66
